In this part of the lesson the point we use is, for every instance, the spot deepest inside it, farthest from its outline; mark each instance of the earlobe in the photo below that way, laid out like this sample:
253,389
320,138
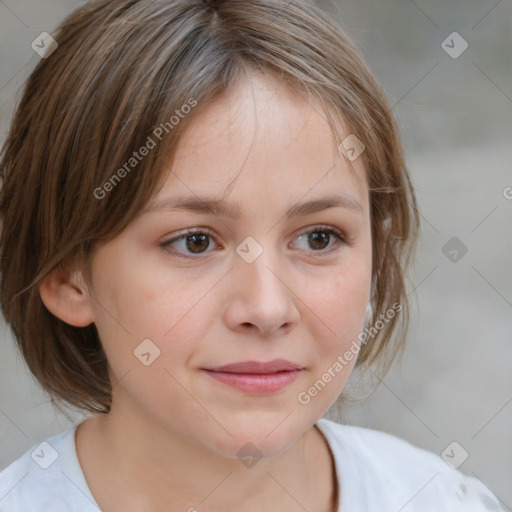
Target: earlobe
65,294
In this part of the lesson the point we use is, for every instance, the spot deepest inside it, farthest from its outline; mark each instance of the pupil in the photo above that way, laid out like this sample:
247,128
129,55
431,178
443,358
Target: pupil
324,237
195,237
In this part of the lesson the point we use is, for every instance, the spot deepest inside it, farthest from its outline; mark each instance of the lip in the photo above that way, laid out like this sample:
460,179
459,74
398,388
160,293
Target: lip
257,378
257,367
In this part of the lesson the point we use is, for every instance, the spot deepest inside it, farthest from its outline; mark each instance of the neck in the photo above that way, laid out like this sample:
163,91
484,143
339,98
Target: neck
131,463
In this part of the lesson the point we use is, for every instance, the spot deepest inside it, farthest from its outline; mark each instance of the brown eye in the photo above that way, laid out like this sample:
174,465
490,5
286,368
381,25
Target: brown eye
189,242
197,243
320,238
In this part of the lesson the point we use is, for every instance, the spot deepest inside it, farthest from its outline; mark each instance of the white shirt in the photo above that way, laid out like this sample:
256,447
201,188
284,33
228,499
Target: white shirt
376,472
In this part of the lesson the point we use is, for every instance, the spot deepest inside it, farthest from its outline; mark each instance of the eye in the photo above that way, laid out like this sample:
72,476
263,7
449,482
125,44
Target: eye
196,240
319,238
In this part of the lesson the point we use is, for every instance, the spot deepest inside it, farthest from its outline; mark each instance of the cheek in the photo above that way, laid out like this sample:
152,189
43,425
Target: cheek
339,302
135,303
134,299
339,308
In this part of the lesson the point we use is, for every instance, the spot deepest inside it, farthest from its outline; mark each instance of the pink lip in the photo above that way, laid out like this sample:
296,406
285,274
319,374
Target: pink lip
277,365
257,377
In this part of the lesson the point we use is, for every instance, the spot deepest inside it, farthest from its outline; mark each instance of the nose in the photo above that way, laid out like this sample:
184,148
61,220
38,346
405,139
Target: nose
262,297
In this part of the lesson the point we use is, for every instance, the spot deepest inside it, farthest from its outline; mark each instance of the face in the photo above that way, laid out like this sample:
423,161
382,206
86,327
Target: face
269,272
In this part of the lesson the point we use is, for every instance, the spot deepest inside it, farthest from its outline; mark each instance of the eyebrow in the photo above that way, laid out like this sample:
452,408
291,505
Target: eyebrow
232,210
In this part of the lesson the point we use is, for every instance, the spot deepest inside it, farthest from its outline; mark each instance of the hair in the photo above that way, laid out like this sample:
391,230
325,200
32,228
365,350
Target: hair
122,68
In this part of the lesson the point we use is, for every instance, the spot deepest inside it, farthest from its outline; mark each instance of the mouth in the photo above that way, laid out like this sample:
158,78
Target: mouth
258,378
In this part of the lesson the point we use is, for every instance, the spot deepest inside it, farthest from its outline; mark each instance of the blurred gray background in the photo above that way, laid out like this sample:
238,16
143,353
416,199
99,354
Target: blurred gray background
455,112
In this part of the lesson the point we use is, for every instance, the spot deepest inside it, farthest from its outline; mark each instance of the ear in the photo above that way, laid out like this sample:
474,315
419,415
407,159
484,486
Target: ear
66,295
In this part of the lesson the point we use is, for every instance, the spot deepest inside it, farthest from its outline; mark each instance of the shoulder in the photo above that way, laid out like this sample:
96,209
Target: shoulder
393,471
46,477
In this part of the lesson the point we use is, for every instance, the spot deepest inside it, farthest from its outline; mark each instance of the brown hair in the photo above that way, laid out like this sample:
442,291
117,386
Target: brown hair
121,70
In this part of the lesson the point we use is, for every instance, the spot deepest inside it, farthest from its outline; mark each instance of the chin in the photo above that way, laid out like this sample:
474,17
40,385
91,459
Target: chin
258,437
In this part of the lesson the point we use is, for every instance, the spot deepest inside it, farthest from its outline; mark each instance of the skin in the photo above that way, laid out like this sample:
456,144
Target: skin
171,439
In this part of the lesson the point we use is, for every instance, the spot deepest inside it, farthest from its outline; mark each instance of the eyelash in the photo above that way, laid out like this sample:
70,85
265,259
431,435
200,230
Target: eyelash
340,239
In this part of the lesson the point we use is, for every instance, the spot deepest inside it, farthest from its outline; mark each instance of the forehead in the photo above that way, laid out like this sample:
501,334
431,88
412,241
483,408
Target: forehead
273,139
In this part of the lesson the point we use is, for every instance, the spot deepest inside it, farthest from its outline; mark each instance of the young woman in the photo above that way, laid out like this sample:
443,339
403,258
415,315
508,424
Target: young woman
206,224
